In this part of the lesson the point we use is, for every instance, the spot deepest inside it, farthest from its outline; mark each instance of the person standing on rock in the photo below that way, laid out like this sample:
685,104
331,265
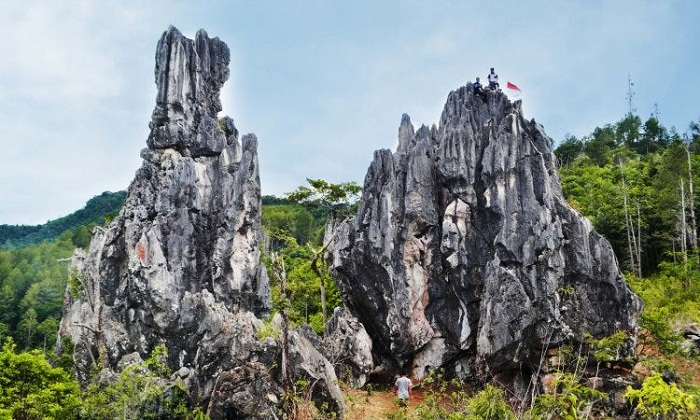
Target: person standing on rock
403,389
479,90
493,80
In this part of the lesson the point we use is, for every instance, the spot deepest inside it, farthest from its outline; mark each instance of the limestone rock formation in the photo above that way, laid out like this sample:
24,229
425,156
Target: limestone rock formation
464,253
309,363
180,265
348,346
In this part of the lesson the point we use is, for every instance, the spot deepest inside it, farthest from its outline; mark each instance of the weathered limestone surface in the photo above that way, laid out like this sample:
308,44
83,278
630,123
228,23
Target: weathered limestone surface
464,253
348,347
180,264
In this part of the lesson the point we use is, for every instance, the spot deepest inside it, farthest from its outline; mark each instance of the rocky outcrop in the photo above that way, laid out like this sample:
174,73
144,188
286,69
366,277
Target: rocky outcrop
464,253
691,333
309,364
348,347
180,264
238,392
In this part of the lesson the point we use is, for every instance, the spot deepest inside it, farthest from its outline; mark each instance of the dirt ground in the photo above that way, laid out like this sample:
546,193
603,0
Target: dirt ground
378,405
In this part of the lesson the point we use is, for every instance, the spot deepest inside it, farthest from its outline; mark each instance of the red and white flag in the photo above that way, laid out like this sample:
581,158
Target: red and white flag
513,86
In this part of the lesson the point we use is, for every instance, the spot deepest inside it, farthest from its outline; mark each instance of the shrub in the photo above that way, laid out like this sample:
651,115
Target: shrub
569,400
31,388
489,403
658,400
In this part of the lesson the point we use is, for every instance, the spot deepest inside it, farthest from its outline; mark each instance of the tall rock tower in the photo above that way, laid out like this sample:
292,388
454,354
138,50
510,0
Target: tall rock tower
464,253
180,264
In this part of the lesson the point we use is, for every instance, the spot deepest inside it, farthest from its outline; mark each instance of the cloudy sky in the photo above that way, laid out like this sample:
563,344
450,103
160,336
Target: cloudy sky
321,83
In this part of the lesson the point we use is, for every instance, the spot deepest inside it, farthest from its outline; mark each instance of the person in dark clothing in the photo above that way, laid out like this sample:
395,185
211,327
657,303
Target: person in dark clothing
479,90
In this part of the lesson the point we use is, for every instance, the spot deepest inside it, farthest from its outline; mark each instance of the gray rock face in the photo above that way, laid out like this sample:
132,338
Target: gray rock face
189,75
309,364
180,264
238,394
464,253
348,347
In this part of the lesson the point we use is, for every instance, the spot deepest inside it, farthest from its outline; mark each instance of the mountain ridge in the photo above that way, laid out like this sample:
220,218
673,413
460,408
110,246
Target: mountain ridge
95,211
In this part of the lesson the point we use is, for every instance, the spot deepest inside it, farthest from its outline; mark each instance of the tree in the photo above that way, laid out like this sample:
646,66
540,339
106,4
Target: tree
139,391
691,199
30,388
27,327
600,144
654,136
594,191
8,307
47,331
568,150
334,199
33,278
46,296
633,244
694,128
290,219
338,200
303,301
280,274
674,169
82,236
627,132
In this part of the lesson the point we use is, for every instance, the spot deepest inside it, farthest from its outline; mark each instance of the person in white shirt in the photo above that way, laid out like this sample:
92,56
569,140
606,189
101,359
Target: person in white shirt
493,80
403,389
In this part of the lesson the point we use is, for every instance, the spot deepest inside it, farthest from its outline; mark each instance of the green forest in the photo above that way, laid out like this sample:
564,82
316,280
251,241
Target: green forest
634,180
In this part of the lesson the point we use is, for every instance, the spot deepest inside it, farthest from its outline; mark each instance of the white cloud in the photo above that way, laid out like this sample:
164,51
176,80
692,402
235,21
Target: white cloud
322,85
52,58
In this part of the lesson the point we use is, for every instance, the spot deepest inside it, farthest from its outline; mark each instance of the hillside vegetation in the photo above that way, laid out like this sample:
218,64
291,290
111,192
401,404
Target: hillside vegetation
105,205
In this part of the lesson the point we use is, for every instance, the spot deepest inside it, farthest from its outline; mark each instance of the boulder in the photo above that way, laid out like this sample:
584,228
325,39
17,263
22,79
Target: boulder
348,347
238,393
691,333
313,375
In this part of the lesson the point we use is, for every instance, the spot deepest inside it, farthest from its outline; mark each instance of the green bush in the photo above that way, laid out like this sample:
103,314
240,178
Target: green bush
569,400
30,388
658,400
140,391
489,403
606,348
449,400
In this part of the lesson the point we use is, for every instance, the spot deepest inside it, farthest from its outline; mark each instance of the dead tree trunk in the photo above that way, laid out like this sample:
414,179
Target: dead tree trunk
684,235
322,284
639,240
629,225
281,275
691,203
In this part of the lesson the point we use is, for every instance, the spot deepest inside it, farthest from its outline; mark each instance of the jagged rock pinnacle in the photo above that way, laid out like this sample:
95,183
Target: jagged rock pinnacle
464,253
180,265
189,75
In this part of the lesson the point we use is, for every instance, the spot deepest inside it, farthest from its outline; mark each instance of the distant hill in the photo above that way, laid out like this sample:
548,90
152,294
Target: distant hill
96,210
